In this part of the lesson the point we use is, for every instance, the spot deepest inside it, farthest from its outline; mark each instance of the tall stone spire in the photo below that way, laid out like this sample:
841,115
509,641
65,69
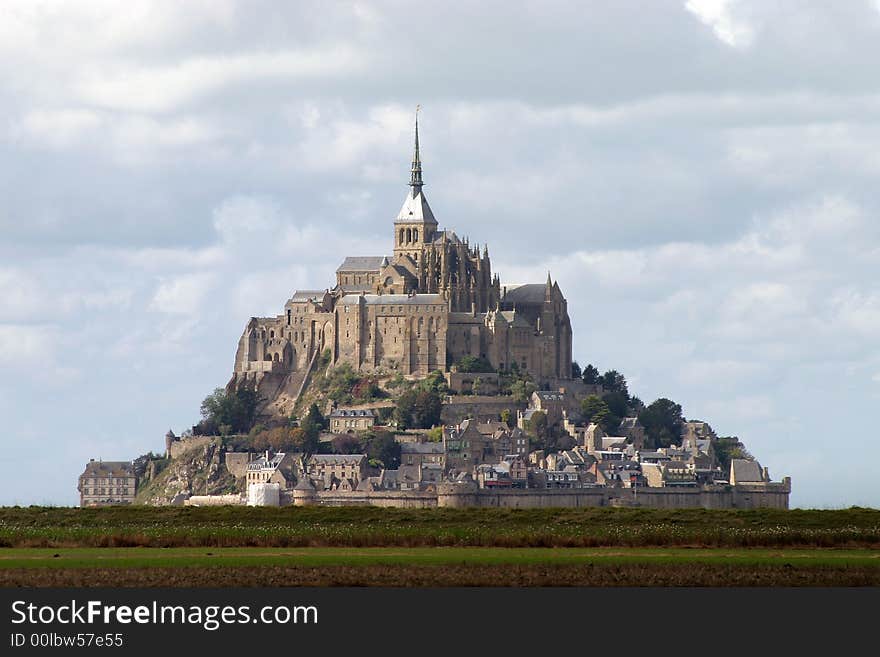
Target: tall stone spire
415,180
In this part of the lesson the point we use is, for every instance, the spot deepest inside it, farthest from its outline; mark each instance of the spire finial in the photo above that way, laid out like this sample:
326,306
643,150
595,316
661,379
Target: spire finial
415,180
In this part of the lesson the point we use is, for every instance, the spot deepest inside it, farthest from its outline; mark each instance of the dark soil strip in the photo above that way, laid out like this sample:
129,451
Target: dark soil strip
449,575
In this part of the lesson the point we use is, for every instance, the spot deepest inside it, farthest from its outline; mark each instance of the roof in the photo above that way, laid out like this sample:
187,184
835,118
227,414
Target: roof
108,469
301,296
363,263
353,412
743,470
415,208
515,319
549,395
263,463
421,448
337,458
530,293
394,299
629,423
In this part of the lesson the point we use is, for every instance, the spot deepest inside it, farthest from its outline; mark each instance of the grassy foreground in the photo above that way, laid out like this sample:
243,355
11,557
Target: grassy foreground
367,526
455,566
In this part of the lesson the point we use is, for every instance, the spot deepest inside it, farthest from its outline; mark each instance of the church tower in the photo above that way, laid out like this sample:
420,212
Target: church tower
415,225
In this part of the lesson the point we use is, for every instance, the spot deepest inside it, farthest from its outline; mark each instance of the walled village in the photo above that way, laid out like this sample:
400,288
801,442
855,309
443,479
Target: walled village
420,380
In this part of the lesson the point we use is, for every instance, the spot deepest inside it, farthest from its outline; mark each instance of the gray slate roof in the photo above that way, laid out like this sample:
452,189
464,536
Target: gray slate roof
301,296
530,293
394,299
744,470
108,469
363,263
421,448
353,412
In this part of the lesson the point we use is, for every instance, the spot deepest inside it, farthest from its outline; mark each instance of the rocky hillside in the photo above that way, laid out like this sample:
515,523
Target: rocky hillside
197,471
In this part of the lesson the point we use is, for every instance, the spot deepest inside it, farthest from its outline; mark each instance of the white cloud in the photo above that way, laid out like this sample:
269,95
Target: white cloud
720,16
165,88
182,295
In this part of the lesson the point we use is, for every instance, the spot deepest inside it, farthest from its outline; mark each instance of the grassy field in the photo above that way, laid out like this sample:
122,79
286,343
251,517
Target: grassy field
443,566
367,526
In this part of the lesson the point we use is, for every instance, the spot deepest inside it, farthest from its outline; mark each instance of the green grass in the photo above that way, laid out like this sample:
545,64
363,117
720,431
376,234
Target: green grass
141,526
316,557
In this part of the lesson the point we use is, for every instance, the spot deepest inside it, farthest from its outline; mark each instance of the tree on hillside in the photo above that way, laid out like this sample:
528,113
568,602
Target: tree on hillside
614,381
311,425
591,375
473,364
537,425
418,409
594,409
662,420
346,443
727,448
381,446
226,412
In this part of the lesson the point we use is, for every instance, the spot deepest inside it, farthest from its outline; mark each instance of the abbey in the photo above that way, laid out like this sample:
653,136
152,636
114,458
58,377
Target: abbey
431,302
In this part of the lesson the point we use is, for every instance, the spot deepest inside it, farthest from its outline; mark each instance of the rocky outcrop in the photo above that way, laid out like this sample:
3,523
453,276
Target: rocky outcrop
194,470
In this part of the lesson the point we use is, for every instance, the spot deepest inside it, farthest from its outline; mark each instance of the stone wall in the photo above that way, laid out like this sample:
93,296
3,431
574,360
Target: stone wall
396,499
773,495
482,407
185,444
236,462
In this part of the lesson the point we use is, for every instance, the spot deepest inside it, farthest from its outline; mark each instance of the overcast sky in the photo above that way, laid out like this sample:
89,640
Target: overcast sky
701,177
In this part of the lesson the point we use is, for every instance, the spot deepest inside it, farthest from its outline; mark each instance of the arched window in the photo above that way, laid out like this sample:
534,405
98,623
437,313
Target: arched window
421,323
271,335
415,234
401,235
408,235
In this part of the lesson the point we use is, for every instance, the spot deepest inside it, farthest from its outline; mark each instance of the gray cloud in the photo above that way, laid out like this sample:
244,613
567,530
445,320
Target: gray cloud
700,176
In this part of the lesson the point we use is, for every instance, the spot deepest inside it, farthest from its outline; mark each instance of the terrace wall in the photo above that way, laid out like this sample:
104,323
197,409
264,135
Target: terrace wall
772,495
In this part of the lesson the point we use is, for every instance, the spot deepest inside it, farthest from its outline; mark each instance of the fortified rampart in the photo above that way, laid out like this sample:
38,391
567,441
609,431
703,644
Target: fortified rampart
744,496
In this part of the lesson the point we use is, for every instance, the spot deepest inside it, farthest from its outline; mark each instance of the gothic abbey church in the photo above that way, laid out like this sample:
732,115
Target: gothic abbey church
431,302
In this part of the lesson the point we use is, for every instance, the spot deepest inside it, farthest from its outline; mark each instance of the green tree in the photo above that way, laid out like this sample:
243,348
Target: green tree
311,425
576,370
614,381
346,443
228,412
508,418
537,425
662,420
382,446
591,375
727,448
473,364
522,389
594,409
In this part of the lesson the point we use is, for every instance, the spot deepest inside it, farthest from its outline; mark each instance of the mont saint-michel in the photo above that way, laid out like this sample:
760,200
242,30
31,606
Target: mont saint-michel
433,301
418,378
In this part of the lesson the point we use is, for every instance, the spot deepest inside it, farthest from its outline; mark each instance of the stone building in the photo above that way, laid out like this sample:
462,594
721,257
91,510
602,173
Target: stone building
280,468
431,302
329,471
106,483
350,420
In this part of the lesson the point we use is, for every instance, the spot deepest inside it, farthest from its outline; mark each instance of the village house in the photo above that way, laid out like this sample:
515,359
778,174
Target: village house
269,468
328,471
107,483
351,420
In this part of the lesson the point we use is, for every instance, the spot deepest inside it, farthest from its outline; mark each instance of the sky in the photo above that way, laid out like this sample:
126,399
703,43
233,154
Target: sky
699,176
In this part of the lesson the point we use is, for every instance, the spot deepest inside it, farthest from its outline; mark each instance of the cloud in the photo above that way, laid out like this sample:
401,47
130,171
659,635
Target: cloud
705,194
720,16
